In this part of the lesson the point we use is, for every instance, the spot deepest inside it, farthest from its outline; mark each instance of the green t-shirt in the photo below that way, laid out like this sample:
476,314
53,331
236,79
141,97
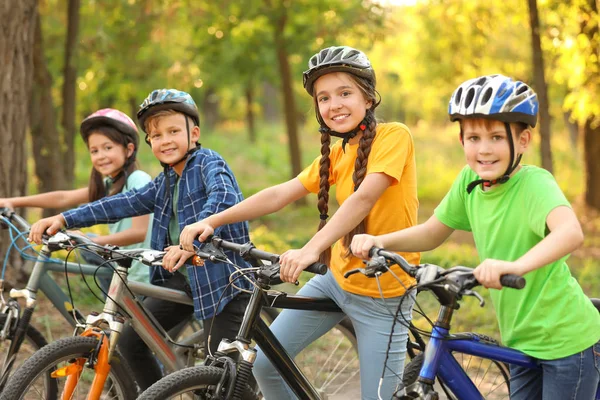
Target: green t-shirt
138,271
551,317
174,230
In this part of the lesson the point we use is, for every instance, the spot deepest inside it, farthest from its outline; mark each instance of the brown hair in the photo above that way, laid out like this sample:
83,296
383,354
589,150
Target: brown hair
367,88
516,127
96,186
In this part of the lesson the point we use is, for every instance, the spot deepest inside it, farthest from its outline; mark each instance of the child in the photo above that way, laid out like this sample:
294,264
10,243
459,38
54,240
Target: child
112,140
374,170
195,184
522,224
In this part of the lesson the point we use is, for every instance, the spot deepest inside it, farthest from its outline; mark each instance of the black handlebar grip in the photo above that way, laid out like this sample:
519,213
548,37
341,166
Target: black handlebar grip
512,281
317,268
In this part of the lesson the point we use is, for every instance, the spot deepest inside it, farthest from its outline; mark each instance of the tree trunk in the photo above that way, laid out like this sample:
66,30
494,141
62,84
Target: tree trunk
250,113
591,144
591,129
68,93
572,128
288,93
17,27
210,108
45,139
269,105
539,81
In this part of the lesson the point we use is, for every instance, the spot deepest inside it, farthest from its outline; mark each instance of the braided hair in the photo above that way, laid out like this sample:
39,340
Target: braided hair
367,88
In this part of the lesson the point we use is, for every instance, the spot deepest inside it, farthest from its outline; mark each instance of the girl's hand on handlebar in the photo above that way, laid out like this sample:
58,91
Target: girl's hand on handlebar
361,244
175,258
49,225
488,273
201,230
293,262
6,203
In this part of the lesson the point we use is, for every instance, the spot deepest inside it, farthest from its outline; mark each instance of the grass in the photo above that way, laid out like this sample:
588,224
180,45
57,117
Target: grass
439,159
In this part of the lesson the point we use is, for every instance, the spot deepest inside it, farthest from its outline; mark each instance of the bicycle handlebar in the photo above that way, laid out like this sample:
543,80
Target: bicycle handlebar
248,249
457,279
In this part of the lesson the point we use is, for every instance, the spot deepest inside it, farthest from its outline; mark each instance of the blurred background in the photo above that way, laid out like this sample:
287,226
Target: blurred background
242,61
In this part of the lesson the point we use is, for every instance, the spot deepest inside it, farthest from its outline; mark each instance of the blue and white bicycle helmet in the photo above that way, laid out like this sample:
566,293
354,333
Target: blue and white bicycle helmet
167,99
499,98
495,97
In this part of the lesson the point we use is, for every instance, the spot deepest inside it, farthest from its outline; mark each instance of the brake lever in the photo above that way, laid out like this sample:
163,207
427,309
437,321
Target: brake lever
476,295
374,267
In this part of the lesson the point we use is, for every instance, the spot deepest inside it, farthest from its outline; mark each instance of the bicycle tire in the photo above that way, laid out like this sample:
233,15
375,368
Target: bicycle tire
201,381
32,342
120,384
479,375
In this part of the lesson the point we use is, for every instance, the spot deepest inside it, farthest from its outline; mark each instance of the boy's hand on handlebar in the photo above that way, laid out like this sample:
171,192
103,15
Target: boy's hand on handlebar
49,225
175,258
293,262
201,230
361,244
488,273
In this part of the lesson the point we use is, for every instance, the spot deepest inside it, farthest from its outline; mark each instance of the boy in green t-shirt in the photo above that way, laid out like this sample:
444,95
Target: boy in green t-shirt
522,224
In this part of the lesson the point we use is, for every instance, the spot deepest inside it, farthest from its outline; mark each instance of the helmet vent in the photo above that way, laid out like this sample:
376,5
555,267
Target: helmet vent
486,96
522,89
470,96
458,96
481,81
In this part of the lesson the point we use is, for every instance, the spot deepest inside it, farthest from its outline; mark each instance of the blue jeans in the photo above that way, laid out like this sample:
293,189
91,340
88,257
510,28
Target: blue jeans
574,377
296,329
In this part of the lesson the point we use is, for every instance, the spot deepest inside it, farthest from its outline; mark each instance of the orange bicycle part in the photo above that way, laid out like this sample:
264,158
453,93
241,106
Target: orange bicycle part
101,367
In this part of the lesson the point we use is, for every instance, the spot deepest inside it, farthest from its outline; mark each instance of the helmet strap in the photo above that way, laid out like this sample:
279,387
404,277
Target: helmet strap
361,127
511,166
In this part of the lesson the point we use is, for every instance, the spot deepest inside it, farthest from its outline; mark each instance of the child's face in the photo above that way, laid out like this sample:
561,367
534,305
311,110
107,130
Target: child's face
169,138
107,156
487,147
342,104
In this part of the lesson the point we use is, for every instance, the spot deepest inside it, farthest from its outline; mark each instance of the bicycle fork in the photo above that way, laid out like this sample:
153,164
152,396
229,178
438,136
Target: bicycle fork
98,360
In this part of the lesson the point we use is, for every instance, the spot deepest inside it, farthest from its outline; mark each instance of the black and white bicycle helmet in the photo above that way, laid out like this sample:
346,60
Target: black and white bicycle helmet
499,98
337,59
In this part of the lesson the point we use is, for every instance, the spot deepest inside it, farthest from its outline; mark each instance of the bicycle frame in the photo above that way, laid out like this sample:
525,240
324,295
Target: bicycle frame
254,328
149,330
440,362
170,355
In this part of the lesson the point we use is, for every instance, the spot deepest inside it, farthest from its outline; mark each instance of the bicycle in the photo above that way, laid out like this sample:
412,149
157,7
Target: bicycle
443,353
96,346
224,376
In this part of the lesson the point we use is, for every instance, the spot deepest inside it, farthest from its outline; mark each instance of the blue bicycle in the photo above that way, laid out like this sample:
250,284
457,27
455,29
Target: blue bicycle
488,376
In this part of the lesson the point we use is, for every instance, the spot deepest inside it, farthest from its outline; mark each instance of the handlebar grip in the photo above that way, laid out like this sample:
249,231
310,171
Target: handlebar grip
374,251
512,281
317,268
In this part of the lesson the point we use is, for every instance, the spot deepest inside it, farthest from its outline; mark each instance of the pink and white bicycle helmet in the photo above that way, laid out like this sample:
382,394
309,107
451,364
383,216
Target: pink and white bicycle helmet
111,117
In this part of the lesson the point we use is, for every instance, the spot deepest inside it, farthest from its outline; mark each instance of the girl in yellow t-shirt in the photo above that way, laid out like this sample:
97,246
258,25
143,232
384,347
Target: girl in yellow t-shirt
374,171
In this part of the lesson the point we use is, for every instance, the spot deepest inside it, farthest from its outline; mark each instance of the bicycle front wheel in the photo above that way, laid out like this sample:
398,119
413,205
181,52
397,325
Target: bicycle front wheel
28,381
491,377
32,342
191,383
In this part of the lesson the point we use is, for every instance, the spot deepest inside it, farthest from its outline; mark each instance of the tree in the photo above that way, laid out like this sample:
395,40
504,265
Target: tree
68,92
45,139
539,80
17,25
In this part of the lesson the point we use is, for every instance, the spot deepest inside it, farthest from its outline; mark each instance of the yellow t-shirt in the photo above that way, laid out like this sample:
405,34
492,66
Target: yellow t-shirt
392,153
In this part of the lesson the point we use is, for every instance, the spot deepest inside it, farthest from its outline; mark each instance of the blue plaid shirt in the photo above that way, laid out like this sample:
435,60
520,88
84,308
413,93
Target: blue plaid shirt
207,186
